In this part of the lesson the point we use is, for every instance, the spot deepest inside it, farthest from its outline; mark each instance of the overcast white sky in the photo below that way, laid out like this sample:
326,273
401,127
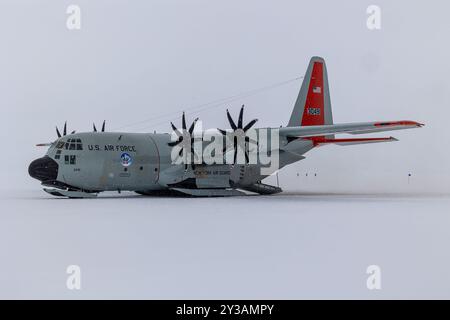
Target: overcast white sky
135,60
143,59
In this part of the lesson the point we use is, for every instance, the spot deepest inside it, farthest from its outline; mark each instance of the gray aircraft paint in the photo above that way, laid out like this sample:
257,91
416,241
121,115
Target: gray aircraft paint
98,168
142,162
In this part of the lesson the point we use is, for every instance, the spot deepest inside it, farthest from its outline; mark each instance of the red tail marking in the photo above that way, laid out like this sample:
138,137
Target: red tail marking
313,113
322,140
398,123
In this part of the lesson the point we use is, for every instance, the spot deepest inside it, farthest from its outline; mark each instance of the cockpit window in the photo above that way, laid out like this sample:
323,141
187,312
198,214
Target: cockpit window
58,154
73,144
70,159
60,145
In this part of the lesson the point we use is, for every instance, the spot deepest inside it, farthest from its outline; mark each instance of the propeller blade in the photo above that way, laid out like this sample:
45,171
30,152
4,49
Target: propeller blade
191,129
65,128
174,143
103,125
222,131
58,133
230,120
196,157
181,135
248,140
95,129
176,130
241,115
250,124
183,119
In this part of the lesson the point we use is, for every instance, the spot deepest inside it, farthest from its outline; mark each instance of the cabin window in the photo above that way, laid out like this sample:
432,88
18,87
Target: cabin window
72,160
66,159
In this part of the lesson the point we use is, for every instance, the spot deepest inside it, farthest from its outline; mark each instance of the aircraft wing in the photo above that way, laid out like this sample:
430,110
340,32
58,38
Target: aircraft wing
351,128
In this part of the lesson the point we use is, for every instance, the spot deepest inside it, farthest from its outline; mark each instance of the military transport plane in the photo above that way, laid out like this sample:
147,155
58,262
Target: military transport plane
81,165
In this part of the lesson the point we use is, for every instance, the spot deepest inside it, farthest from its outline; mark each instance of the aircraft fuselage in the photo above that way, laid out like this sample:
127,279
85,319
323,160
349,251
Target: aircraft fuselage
141,162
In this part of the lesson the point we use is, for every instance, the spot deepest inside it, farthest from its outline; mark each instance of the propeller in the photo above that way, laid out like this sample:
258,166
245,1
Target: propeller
185,138
238,135
103,126
58,133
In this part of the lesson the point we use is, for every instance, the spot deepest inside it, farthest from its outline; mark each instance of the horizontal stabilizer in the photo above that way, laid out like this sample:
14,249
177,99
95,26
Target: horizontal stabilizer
352,141
351,128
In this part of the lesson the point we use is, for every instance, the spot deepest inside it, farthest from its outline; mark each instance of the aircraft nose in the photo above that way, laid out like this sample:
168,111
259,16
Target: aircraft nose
44,169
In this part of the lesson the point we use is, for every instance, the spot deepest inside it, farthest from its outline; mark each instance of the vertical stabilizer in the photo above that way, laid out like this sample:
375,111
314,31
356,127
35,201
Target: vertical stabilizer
313,105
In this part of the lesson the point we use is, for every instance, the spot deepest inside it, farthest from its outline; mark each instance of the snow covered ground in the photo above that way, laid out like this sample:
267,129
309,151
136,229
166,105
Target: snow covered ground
292,245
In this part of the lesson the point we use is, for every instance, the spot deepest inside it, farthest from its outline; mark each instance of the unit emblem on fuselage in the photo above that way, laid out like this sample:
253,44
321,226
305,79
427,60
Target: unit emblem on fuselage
126,159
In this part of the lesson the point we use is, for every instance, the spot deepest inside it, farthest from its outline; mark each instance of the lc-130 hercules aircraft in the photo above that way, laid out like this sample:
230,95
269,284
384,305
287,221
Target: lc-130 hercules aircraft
80,165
